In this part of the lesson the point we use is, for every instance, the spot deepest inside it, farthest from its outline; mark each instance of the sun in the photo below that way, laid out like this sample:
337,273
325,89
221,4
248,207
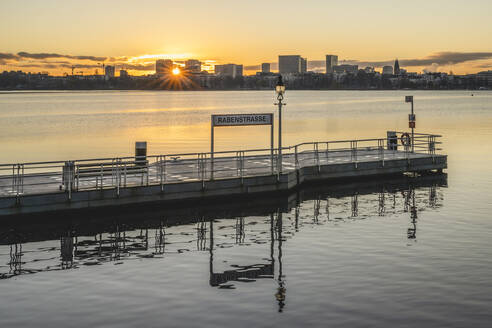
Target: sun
176,71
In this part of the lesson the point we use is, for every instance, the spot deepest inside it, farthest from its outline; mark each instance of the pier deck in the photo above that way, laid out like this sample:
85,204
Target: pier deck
32,187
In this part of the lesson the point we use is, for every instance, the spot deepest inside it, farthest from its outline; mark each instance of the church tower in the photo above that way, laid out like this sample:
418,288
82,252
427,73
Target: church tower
397,67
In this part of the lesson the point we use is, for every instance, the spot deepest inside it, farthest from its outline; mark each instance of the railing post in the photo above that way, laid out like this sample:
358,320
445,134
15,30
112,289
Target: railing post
77,177
353,146
124,167
118,176
317,155
242,165
102,176
147,171
68,177
165,166
160,172
381,150
18,179
204,169
22,179
238,162
199,166
296,157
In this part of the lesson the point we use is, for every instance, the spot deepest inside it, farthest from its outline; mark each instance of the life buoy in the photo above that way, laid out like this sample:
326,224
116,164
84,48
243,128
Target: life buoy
405,139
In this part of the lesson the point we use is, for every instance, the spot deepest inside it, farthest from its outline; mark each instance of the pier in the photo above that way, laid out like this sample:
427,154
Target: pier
74,184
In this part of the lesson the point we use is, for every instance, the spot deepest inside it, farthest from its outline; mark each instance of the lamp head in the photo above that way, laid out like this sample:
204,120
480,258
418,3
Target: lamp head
280,87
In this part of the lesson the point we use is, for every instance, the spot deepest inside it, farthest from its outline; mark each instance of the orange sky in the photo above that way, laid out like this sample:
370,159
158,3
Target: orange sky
452,35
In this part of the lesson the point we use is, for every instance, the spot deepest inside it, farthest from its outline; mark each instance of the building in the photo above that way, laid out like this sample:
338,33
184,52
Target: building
231,70
397,67
485,76
163,67
292,64
193,66
123,73
109,71
352,69
387,70
265,67
331,61
369,69
303,65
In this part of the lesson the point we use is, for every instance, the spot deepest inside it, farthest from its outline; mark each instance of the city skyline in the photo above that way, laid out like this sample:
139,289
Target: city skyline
60,64
433,36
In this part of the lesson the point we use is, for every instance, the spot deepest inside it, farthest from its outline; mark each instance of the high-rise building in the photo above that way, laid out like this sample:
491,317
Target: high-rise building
109,71
345,68
397,67
292,64
231,70
193,66
485,76
388,70
163,66
303,65
123,73
331,61
265,67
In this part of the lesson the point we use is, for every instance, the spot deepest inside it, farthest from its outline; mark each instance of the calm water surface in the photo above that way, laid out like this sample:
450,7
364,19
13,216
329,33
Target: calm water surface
403,253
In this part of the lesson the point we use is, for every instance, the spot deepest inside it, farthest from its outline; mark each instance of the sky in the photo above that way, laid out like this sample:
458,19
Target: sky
430,35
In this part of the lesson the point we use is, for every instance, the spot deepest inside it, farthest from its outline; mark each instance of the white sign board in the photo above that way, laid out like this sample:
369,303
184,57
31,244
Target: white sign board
242,119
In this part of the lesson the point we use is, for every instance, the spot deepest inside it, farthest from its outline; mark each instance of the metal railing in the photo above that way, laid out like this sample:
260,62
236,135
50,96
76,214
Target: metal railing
119,172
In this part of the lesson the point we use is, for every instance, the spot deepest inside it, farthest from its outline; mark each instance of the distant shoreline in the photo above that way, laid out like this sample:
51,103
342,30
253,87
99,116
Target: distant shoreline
208,90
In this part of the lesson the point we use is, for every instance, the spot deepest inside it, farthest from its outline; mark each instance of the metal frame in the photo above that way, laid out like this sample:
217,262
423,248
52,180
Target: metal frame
68,177
213,126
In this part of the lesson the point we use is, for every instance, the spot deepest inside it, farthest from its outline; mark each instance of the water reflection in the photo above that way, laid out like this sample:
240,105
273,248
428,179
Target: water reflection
28,248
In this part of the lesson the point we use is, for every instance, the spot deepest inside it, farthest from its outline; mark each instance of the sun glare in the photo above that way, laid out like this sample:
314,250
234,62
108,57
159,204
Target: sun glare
176,71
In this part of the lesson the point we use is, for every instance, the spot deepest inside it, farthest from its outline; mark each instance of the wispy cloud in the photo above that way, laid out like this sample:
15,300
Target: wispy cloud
444,58
53,55
8,56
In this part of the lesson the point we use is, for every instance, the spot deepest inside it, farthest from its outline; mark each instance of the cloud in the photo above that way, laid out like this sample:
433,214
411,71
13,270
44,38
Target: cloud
115,59
93,58
7,56
80,66
45,66
448,58
437,59
53,55
489,65
139,67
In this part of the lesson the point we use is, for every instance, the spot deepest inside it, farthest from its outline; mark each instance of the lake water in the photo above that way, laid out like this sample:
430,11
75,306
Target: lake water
406,253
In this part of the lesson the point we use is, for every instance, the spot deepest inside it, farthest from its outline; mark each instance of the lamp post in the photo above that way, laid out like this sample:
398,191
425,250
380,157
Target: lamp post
411,120
280,90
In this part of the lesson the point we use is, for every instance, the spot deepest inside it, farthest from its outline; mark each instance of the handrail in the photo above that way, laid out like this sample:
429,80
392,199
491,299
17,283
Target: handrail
417,136
18,179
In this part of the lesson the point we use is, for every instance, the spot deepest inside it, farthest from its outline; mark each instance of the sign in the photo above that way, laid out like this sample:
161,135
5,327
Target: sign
239,120
411,125
411,117
408,98
242,119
